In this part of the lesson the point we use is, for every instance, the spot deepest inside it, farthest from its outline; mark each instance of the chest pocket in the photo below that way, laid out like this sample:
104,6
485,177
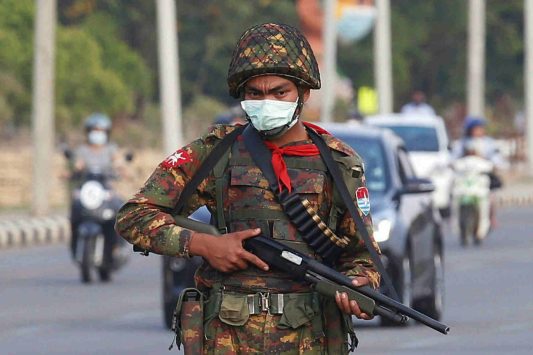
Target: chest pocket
304,181
251,203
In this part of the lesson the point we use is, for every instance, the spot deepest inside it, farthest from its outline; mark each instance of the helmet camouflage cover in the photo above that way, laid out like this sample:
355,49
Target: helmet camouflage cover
275,49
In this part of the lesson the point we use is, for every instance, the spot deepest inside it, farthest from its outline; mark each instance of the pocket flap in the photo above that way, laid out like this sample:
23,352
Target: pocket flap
234,309
311,182
297,311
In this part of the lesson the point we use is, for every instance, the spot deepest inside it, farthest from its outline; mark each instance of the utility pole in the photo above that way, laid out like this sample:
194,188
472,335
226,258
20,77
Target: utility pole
383,57
169,84
528,75
43,104
476,58
330,57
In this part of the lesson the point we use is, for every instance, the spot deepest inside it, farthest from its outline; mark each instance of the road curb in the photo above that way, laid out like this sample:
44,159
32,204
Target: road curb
27,231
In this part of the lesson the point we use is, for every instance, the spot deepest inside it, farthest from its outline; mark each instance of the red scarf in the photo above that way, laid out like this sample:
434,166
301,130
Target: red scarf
279,165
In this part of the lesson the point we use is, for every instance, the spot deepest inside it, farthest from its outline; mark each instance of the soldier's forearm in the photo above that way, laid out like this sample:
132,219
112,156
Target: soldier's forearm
152,230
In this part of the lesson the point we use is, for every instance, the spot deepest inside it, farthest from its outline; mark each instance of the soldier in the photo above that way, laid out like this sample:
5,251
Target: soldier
272,71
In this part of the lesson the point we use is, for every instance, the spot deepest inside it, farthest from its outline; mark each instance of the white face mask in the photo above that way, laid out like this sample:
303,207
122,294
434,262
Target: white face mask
269,114
97,137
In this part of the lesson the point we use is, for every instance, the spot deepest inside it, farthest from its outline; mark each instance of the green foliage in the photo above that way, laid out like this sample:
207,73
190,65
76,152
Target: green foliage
117,55
429,45
16,36
95,68
505,48
83,84
107,55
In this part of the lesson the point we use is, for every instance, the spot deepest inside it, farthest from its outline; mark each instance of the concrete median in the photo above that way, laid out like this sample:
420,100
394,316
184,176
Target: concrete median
22,231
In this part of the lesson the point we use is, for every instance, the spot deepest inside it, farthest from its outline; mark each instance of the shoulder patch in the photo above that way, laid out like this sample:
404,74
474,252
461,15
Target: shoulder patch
363,200
176,159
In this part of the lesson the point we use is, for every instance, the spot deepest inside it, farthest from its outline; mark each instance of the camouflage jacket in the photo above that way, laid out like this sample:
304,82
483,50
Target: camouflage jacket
146,221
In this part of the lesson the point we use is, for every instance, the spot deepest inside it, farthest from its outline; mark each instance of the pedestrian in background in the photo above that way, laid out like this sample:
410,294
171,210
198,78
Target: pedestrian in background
418,105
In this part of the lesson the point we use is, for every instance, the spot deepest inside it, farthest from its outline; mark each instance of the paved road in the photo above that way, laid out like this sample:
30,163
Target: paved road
44,309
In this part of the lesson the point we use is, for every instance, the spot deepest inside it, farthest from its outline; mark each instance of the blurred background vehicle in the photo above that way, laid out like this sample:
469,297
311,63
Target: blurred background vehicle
97,249
426,140
407,227
471,195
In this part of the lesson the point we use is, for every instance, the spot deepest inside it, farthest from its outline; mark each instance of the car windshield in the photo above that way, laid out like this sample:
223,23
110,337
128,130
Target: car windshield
417,138
376,169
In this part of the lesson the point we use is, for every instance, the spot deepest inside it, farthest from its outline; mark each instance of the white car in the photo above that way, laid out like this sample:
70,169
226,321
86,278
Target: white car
427,142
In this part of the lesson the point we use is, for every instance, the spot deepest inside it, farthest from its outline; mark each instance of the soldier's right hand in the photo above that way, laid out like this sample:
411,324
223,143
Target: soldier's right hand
226,252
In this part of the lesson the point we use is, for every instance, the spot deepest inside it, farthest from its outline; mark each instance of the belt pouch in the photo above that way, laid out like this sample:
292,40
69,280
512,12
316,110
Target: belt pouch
189,319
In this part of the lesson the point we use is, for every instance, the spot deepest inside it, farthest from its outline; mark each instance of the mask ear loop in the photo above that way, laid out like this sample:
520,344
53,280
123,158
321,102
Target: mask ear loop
300,103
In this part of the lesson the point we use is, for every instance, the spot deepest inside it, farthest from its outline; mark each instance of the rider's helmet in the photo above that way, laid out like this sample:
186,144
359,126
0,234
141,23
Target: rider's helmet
273,49
97,128
471,122
98,121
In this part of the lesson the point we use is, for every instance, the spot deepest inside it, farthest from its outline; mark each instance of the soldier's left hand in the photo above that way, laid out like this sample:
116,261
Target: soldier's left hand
349,306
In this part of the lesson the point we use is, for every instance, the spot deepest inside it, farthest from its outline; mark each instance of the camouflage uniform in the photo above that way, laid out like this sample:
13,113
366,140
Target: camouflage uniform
312,323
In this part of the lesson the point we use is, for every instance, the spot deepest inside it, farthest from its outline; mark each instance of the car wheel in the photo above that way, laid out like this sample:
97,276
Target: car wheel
87,261
468,222
433,305
105,274
403,285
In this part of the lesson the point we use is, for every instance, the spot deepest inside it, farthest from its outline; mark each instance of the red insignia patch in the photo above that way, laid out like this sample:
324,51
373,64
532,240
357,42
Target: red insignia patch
363,200
178,158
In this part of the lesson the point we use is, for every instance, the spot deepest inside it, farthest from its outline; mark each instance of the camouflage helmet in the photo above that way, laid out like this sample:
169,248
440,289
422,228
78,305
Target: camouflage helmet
274,49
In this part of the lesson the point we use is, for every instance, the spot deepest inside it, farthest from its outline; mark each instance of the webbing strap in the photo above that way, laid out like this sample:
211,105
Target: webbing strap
206,167
220,181
339,183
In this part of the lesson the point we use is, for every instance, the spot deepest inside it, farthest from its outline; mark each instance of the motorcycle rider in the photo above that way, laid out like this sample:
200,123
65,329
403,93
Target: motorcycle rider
475,136
472,187
475,129
97,155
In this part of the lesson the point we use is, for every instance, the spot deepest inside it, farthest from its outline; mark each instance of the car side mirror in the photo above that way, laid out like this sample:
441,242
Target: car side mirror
418,185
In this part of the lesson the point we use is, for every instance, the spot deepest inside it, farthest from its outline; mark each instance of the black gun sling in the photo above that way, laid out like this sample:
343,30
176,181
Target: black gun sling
206,167
293,207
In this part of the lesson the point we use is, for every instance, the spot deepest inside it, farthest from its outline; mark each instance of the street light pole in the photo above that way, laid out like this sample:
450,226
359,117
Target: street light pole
330,57
43,104
169,85
528,78
383,57
476,58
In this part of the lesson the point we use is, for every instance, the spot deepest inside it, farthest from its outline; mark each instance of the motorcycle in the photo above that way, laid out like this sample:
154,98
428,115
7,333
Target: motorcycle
471,192
96,247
